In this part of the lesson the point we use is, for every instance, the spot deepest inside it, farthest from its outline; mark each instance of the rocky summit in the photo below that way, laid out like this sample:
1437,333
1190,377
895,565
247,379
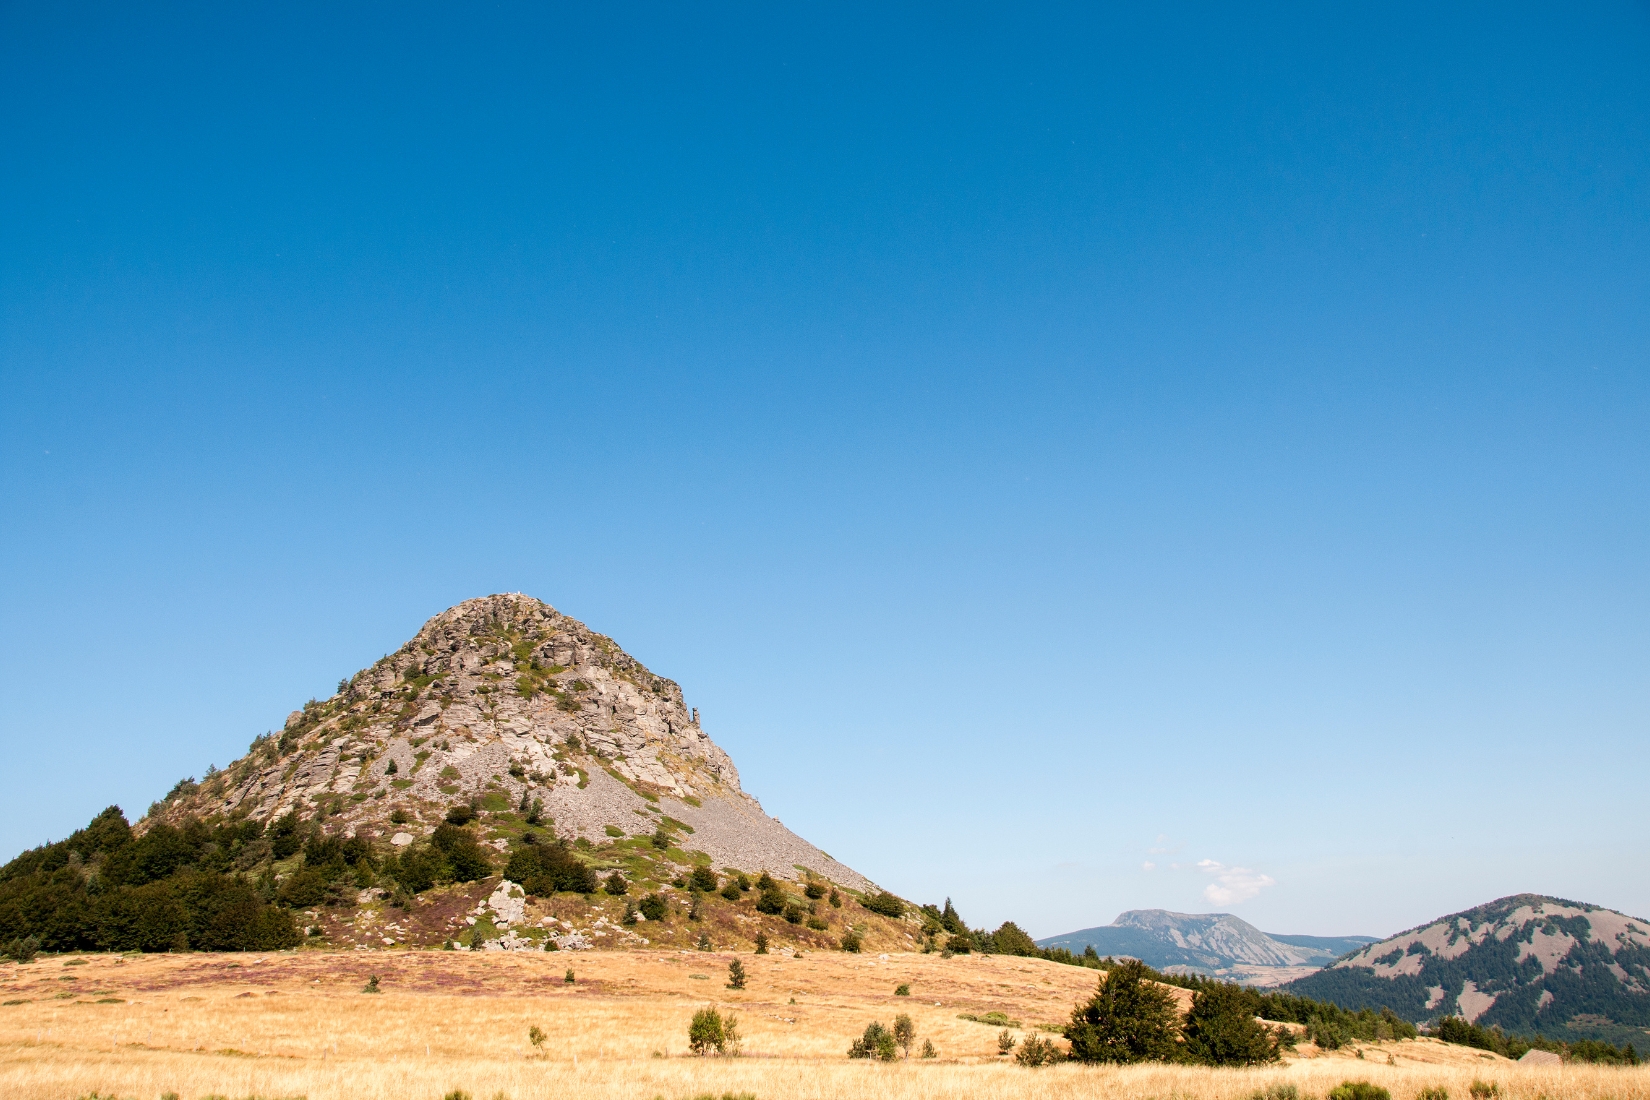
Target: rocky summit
1211,944
504,702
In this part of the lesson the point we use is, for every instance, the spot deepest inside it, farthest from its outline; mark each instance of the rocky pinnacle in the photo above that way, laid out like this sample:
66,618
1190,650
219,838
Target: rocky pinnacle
501,701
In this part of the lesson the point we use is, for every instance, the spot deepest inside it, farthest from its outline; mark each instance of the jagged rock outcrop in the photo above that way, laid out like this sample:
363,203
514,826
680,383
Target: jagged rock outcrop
505,701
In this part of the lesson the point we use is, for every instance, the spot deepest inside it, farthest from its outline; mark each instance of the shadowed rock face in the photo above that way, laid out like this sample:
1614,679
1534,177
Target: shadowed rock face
499,698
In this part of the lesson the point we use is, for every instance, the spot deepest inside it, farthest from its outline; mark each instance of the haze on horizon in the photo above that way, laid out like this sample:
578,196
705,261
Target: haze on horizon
1075,460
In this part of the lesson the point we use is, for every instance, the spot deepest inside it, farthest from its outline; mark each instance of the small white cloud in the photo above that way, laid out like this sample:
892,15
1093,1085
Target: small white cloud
1148,866
1164,846
1232,884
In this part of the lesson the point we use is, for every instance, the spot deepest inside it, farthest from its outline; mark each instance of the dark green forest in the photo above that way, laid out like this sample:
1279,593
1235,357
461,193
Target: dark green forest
207,886
170,889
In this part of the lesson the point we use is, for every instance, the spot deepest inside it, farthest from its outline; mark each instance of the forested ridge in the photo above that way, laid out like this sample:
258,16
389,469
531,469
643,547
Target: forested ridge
1551,966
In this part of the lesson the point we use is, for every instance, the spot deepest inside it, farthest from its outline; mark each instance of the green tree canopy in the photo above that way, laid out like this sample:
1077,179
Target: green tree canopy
1221,1030
1129,1019
1011,939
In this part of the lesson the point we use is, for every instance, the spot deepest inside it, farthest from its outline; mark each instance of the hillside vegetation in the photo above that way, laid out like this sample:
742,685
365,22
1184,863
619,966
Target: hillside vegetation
233,885
1529,965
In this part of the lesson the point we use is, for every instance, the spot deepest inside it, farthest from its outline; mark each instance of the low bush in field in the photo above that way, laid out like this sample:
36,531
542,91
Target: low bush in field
711,1031
1038,1052
1358,1090
877,1042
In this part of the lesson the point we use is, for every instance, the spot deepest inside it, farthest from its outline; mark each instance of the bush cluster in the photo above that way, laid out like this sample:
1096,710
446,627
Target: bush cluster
1358,1090
886,904
770,898
545,869
876,1042
174,888
1037,1051
453,854
1132,1018
711,1031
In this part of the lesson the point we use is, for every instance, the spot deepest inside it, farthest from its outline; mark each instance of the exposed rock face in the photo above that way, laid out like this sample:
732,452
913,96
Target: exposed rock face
1220,938
506,700
1525,963
1208,943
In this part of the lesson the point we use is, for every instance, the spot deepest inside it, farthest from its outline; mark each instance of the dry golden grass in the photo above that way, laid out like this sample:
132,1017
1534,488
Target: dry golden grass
298,1025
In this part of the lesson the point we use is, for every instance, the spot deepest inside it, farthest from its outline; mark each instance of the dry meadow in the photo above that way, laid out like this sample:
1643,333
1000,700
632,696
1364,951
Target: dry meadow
287,1025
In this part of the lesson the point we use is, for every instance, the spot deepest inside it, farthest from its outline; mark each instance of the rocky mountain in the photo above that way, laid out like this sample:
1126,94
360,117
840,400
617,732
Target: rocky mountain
505,702
1527,963
1329,947
1208,943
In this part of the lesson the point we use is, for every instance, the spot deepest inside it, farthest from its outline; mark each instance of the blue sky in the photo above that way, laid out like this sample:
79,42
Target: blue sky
1043,443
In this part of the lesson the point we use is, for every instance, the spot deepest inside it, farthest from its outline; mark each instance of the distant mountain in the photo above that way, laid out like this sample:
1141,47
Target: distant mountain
1208,943
1527,963
1334,946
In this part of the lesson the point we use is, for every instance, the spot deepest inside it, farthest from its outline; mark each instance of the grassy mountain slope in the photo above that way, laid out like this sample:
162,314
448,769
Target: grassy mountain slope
1526,963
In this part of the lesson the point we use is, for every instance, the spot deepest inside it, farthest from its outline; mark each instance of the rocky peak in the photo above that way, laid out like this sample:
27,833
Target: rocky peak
503,701
1221,936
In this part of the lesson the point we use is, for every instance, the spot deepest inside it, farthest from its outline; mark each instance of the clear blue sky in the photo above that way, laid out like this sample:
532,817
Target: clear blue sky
1041,441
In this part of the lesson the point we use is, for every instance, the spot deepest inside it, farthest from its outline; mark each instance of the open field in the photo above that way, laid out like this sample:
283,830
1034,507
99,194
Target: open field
299,1025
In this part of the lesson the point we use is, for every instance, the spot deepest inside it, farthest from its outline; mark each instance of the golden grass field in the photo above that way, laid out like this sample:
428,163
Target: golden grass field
284,1025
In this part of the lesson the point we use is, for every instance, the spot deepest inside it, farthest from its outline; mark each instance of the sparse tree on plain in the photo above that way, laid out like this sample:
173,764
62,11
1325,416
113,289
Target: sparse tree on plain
905,1033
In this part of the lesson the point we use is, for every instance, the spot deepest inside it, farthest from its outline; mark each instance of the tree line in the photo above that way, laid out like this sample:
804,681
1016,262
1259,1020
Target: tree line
1455,1029
172,888
213,886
